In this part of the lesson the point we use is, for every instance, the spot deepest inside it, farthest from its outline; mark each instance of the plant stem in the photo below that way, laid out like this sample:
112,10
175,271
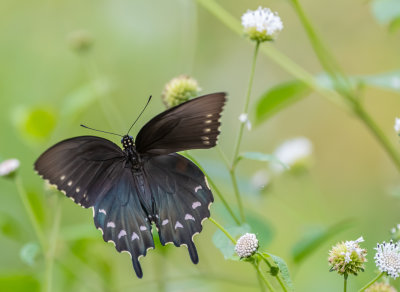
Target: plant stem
240,135
216,189
52,247
223,230
345,283
278,278
28,208
371,282
257,267
246,105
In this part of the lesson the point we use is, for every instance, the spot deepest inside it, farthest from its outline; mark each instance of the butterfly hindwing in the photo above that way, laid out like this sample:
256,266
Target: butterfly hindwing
122,219
190,125
181,199
83,167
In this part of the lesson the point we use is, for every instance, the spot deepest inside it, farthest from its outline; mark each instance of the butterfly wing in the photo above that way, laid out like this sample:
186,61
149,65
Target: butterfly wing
84,168
181,199
122,219
190,125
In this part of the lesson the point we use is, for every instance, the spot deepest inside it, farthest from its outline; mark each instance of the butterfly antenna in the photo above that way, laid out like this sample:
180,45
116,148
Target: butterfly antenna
100,130
148,101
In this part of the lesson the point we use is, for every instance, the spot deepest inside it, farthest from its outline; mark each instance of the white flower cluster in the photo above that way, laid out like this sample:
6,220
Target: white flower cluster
246,245
397,125
353,246
8,167
387,258
244,118
261,24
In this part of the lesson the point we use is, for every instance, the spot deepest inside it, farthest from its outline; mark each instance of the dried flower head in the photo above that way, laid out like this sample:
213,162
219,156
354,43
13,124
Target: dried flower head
246,245
9,167
80,41
262,24
387,258
179,90
397,125
348,257
381,287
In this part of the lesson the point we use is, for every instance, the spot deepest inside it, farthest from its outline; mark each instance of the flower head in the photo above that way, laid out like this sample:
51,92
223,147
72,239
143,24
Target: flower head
397,125
387,258
179,90
262,24
246,245
9,167
80,41
381,287
348,257
293,152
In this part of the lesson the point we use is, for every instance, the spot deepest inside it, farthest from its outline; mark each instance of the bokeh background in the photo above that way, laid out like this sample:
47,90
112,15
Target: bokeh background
47,89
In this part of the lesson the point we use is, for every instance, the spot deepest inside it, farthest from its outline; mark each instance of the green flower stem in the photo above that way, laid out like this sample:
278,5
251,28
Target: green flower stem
52,247
345,283
371,282
28,208
223,230
278,278
260,282
216,189
265,280
240,135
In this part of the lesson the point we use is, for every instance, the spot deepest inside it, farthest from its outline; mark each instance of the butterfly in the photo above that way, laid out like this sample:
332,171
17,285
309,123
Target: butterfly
144,183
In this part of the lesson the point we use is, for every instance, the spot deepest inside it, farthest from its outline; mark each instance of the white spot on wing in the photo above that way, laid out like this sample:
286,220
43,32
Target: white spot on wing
205,179
207,130
189,217
111,224
178,225
196,204
206,142
143,228
103,211
165,222
121,233
77,190
70,183
62,177
208,121
134,236
209,116
205,138
197,188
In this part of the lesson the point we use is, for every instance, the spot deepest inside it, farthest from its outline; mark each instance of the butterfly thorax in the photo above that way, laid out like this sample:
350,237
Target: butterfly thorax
130,150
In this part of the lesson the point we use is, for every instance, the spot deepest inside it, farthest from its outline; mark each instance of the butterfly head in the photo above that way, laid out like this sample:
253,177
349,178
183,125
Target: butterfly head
127,141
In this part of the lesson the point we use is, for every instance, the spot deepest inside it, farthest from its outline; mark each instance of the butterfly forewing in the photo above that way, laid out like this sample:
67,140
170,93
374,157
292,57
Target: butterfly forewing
122,219
181,199
191,125
82,167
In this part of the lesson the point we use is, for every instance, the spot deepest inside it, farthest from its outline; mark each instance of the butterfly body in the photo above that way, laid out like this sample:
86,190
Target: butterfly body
144,184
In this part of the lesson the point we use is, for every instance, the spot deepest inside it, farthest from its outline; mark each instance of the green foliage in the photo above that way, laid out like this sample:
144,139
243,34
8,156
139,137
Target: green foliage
261,227
279,97
315,238
9,226
283,269
19,283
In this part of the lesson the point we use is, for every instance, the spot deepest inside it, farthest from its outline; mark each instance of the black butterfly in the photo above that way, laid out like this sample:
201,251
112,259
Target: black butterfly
145,183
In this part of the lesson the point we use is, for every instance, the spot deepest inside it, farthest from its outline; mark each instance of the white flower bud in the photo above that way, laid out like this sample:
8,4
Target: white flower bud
246,245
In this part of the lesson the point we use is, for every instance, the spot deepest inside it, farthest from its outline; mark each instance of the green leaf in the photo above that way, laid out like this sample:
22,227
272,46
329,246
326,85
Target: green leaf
36,123
79,231
283,269
315,238
261,228
386,11
278,98
9,226
223,243
388,80
19,282
29,253
262,157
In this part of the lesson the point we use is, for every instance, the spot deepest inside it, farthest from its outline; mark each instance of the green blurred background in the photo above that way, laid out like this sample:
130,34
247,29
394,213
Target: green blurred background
47,89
